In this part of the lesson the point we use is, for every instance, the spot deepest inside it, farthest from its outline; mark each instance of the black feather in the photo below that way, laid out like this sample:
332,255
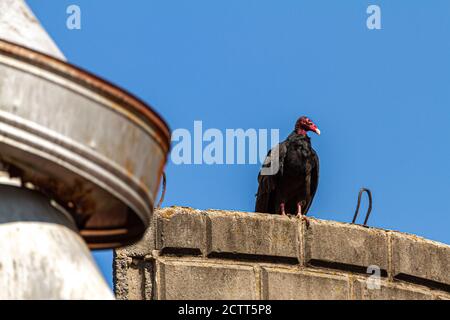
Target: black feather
296,180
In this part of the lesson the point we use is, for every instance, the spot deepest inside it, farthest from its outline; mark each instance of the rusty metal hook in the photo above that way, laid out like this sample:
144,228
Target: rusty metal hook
163,192
369,194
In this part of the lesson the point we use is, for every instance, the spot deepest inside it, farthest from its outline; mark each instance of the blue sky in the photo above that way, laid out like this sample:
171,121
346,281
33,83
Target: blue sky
380,97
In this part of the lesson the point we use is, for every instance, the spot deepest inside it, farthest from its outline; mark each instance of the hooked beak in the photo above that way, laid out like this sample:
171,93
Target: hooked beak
316,130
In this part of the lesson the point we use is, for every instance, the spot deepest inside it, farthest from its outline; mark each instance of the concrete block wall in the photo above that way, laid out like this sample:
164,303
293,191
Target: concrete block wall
195,254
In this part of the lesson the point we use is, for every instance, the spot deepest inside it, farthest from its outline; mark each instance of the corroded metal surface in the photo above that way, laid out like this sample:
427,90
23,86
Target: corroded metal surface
95,149
19,25
55,263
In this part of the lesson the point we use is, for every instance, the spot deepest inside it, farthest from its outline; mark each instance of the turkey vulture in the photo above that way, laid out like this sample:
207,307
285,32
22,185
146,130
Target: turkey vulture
293,184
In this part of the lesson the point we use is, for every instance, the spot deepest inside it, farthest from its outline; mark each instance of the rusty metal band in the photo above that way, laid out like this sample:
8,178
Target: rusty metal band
68,156
124,100
79,149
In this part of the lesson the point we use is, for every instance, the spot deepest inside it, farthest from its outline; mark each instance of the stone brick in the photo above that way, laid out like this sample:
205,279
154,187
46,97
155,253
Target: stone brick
133,279
120,267
181,228
193,280
349,245
443,296
143,247
420,258
281,284
389,291
254,234
417,268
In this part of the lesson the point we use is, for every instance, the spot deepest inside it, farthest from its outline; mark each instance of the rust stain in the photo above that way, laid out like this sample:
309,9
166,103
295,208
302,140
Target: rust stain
132,104
167,213
76,196
129,167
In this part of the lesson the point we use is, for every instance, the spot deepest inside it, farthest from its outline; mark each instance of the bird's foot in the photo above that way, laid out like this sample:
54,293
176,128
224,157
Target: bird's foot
299,209
283,212
304,218
301,215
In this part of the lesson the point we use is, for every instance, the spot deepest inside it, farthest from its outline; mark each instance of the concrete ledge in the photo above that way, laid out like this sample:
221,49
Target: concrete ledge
303,285
213,254
181,228
420,260
254,234
443,296
345,246
390,291
196,280
133,279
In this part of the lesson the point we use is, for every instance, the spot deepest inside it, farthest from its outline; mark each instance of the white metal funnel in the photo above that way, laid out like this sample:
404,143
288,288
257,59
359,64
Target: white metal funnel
19,25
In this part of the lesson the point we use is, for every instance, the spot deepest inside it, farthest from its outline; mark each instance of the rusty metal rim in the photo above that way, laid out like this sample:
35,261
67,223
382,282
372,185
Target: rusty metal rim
76,74
104,181
84,91
79,149
100,239
111,237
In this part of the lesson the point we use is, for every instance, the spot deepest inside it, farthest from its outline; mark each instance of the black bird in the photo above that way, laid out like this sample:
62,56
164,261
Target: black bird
290,174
